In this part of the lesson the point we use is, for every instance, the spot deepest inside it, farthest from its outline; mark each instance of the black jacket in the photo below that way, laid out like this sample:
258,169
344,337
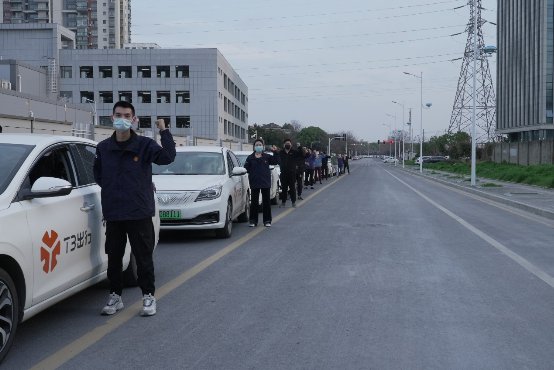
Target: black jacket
125,175
289,161
259,174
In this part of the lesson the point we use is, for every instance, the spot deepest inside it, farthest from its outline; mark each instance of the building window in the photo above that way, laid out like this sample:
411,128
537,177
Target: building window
86,72
225,81
87,96
162,71
144,97
66,72
106,71
106,96
144,71
105,120
145,122
225,127
182,96
126,96
163,97
182,71
225,104
67,96
125,72
182,122
166,119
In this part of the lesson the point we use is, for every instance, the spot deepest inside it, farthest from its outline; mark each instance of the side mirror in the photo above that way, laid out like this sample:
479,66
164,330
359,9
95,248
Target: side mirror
239,171
46,187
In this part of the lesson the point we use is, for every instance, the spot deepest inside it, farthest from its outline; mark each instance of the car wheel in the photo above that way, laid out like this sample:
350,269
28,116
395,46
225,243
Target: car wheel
245,216
9,312
130,275
225,231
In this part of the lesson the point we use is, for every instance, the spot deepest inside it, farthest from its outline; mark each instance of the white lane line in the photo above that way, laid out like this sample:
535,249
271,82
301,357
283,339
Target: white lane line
496,244
80,344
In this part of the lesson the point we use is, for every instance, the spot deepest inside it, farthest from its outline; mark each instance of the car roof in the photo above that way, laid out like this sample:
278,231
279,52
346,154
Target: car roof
242,152
204,148
40,139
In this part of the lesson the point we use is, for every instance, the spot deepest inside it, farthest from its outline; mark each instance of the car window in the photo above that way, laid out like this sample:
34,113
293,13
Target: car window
242,158
234,159
53,163
193,163
84,161
230,164
11,158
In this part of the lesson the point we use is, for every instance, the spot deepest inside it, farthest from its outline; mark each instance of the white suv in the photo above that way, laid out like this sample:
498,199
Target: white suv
51,230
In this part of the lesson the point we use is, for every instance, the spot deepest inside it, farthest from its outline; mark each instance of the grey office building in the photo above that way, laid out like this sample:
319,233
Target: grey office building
525,69
98,24
196,91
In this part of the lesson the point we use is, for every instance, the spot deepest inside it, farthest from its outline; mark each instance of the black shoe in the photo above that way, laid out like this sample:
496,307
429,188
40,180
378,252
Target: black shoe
312,187
300,198
293,205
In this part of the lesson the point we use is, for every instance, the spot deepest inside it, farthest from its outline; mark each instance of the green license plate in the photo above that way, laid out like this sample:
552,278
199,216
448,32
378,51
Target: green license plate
170,215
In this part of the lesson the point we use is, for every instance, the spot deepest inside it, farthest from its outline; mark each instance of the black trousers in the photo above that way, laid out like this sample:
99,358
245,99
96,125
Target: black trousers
288,181
346,168
309,179
266,205
325,171
141,237
299,182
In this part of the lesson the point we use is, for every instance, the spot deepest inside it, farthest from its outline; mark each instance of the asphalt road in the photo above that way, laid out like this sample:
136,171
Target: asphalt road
378,269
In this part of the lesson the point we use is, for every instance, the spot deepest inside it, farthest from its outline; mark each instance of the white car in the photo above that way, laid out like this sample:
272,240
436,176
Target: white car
51,230
390,160
204,188
275,176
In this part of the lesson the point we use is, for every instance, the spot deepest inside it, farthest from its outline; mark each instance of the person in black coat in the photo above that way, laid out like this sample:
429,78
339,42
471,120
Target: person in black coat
289,159
259,175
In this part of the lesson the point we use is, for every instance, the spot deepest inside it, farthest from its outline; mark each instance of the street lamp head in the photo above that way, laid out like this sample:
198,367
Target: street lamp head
428,105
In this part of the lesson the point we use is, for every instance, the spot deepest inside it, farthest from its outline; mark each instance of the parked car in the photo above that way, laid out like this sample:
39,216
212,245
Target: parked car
204,188
51,230
275,176
390,160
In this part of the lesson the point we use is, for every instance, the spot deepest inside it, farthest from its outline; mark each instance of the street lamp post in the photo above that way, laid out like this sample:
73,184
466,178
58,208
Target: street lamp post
395,132
403,123
390,129
331,139
420,119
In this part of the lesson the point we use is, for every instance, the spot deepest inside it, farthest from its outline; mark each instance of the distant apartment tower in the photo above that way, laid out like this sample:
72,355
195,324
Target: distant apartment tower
525,101
98,24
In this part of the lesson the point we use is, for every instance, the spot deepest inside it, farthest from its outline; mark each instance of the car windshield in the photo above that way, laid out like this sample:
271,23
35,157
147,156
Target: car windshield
11,158
193,163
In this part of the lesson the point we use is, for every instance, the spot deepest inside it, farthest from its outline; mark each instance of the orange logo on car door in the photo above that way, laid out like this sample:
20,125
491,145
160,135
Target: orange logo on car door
49,254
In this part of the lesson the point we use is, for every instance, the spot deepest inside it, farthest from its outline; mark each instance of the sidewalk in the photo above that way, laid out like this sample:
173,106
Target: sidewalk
533,199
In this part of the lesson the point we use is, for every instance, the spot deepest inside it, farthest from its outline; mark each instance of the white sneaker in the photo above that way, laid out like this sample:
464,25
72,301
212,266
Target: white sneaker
148,305
115,303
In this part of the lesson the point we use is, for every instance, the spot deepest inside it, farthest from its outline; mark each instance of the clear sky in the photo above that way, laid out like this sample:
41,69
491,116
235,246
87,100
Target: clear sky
333,64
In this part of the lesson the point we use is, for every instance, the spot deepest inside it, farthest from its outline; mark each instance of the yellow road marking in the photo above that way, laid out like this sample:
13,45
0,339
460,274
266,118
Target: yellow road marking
74,348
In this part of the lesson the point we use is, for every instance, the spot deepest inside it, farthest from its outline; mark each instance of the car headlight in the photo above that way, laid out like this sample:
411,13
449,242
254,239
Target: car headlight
210,193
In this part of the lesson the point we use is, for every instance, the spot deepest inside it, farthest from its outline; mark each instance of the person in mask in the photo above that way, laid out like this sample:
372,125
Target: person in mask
123,169
289,158
259,175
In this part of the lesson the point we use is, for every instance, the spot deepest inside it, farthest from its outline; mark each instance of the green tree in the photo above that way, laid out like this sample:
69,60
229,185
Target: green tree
312,135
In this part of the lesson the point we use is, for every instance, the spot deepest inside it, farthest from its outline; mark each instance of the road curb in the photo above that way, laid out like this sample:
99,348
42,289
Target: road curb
513,203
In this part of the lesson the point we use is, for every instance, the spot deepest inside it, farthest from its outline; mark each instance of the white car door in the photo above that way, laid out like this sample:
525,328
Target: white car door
63,228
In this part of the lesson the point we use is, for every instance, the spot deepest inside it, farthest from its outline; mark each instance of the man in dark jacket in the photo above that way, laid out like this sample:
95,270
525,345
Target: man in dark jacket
289,159
123,169
300,168
259,175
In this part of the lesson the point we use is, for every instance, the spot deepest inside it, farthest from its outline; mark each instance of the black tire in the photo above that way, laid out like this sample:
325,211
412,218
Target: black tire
130,275
9,312
245,216
226,230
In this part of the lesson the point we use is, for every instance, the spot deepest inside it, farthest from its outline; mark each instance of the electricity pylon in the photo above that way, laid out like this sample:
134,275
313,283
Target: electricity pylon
485,95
